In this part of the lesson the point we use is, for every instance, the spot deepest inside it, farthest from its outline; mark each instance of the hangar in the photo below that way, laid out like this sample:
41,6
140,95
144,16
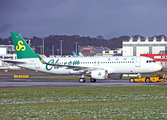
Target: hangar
135,47
149,47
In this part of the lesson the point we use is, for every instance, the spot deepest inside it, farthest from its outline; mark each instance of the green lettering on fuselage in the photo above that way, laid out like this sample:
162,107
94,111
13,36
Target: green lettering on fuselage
55,67
69,63
50,67
76,62
52,62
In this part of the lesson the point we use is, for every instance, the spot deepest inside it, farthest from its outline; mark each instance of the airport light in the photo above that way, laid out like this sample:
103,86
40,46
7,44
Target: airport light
61,45
43,45
58,51
76,47
52,49
40,48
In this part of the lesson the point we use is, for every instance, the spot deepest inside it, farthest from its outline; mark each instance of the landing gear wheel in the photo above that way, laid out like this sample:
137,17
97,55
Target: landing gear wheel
147,80
82,80
131,80
92,80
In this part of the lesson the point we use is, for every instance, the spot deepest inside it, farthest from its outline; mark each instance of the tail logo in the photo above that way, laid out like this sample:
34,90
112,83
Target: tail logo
20,46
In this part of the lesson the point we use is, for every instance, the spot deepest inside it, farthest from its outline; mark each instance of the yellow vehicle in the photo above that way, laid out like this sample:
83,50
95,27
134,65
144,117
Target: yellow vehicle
159,77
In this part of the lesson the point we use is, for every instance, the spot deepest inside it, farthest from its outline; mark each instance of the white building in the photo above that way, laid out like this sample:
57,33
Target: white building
117,52
7,52
146,46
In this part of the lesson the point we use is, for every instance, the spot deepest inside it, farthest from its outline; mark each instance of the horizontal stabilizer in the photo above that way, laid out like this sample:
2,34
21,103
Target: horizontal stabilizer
13,61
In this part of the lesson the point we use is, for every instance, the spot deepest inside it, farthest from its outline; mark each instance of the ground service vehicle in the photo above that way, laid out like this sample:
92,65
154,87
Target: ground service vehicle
159,77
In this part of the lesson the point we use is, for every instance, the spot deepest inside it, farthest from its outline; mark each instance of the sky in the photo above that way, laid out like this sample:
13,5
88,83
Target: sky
108,18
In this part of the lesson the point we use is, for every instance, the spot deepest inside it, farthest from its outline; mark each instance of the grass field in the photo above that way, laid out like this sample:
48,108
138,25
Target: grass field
84,103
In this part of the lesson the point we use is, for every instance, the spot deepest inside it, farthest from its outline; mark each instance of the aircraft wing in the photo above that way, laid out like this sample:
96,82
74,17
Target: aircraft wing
77,68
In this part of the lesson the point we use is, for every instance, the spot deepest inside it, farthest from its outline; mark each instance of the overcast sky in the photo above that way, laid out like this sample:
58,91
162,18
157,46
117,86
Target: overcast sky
109,18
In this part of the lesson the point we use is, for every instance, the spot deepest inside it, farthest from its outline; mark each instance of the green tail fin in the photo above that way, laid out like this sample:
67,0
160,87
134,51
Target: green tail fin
22,49
42,61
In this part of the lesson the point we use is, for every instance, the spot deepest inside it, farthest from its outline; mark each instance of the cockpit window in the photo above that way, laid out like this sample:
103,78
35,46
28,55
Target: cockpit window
150,61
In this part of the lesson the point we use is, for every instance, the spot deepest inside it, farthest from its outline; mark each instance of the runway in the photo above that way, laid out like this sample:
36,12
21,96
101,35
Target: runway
13,83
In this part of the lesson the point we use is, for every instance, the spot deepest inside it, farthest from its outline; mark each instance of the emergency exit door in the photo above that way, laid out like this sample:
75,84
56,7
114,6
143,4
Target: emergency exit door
137,62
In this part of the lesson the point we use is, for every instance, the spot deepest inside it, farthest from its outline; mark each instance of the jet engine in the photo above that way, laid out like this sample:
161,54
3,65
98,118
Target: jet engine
99,74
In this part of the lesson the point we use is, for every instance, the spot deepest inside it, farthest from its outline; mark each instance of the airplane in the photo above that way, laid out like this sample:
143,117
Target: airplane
93,67
74,54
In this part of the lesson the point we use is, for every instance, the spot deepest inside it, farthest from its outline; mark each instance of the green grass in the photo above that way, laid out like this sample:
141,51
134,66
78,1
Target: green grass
84,103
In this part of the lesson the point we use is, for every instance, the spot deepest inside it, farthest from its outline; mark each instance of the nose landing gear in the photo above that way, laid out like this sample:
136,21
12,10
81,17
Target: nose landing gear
82,79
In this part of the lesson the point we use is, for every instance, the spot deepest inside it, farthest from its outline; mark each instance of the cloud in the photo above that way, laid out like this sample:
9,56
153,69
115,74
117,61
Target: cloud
83,17
5,27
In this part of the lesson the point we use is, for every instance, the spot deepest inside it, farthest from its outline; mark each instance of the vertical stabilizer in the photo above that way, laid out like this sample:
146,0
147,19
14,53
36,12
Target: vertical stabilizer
74,54
22,49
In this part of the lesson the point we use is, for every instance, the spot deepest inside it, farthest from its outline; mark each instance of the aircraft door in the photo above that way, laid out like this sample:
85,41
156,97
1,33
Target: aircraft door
137,62
37,64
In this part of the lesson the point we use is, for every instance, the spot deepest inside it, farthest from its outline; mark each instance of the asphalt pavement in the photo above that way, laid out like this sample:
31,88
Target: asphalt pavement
11,82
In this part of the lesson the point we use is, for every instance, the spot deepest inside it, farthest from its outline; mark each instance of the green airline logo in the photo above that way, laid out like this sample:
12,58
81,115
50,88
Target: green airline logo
20,46
99,74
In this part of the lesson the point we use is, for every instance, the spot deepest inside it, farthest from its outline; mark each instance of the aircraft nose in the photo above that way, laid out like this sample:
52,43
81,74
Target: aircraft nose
158,67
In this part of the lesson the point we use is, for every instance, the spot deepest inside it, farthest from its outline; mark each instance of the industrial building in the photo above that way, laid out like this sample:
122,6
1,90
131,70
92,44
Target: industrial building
135,47
7,52
94,51
116,52
100,51
148,47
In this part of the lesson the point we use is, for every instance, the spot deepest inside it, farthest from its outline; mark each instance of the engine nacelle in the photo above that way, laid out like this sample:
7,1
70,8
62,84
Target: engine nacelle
99,74
115,76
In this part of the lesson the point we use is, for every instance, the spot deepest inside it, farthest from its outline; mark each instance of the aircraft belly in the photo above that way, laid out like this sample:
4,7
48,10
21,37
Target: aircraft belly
125,69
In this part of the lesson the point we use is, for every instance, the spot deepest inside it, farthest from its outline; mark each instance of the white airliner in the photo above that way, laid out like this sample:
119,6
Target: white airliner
94,67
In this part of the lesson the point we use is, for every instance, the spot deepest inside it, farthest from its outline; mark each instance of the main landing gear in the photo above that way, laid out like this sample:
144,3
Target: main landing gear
82,80
92,80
